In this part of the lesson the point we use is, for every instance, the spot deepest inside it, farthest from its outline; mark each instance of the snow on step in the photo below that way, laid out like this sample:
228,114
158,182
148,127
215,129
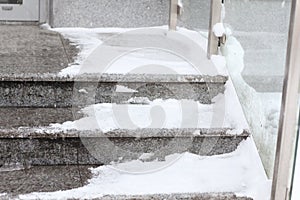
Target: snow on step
240,172
225,112
152,50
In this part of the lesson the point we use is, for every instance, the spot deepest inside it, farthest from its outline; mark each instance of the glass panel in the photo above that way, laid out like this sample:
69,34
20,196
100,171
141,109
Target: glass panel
296,175
11,1
259,31
195,15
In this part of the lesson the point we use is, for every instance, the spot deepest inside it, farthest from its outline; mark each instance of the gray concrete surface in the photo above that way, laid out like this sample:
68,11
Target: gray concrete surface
242,15
11,118
32,57
186,196
29,49
107,13
68,93
42,179
31,146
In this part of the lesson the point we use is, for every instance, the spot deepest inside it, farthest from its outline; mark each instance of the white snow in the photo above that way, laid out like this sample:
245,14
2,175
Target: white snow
83,91
157,60
225,112
146,156
139,100
240,172
223,13
261,109
219,29
180,4
121,88
158,114
12,167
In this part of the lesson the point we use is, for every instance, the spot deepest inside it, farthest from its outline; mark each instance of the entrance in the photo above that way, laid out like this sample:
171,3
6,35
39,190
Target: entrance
19,10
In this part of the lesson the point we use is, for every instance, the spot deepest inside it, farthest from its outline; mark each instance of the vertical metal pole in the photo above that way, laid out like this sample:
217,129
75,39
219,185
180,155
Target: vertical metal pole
215,17
51,13
289,111
173,15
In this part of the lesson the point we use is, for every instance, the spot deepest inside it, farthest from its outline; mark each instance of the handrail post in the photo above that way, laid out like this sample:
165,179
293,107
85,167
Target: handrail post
173,15
215,17
288,122
50,15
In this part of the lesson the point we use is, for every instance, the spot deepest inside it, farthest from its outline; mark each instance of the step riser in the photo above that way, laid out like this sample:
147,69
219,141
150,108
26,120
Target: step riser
64,151
208,196
67,94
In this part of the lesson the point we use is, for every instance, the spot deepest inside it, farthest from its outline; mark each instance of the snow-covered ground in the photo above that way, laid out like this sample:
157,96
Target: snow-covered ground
240,172
152,50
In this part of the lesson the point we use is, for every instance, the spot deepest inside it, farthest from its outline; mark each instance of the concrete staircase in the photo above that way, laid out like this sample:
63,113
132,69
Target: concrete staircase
34,96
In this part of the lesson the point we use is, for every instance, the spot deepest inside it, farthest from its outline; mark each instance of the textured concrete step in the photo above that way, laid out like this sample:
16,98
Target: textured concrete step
25,179
191,196
52,91
29,49
36,146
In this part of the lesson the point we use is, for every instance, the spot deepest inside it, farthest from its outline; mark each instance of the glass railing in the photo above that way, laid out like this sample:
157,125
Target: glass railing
259,34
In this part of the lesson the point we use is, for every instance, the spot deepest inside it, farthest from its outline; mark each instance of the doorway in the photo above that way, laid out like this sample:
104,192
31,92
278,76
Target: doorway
19,10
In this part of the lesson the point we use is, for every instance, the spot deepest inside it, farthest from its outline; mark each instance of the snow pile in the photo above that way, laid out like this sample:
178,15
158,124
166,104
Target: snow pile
240,172
219,29
261,109
156,114
121,88
89,40
225,112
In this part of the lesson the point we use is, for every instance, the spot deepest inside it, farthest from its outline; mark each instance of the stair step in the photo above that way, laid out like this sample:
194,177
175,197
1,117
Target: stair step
27,179
180,196
54,91
35,147
237,175
174,196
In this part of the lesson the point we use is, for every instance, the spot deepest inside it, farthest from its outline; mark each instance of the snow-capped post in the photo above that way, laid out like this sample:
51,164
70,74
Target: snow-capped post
216,28
175,11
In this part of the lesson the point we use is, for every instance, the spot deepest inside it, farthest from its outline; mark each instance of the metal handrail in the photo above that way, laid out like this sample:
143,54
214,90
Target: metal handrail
173,15
285,150
215,17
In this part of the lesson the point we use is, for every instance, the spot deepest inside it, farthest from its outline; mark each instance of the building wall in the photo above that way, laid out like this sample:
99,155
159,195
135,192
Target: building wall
110,13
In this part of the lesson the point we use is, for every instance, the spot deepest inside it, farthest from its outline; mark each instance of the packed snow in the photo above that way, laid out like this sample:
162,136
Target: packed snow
261,109
219,29
240,172
140,112
149,60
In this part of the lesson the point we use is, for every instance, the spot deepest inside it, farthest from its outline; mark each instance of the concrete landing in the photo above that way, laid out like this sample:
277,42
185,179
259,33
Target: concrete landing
30,49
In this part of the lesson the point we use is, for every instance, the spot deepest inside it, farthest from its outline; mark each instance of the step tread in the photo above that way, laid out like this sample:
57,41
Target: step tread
29,49
108,77
21,179
230,173
55,50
